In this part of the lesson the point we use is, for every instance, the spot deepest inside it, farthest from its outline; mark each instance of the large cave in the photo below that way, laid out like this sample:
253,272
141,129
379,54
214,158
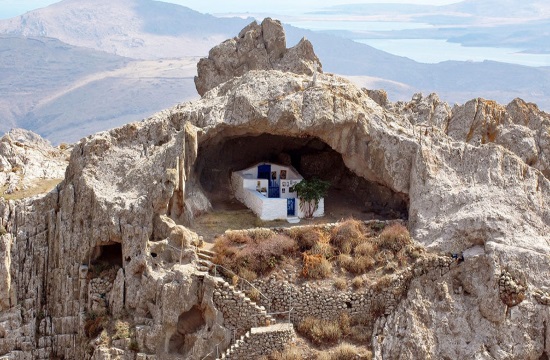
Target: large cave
219,157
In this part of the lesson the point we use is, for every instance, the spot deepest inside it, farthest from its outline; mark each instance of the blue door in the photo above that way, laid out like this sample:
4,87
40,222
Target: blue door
291,207
264,171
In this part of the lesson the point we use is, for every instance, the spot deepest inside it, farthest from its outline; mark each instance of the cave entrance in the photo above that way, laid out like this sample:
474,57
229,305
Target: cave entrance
108,255
349,195
183,339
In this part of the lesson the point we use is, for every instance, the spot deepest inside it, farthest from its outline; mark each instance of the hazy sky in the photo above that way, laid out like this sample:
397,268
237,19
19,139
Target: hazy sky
11,8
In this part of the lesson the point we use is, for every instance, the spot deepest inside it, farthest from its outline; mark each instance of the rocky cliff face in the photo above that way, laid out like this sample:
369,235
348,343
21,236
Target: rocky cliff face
27,161
473,177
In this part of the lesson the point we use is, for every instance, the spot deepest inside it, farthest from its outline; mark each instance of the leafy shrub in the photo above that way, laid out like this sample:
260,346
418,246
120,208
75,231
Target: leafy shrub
320,331
310,192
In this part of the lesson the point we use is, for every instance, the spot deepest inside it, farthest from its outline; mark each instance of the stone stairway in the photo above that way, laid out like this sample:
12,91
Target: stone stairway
260,341
205,260
242,315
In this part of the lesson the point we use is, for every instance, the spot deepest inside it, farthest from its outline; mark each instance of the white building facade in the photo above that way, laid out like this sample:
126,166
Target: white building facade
268,190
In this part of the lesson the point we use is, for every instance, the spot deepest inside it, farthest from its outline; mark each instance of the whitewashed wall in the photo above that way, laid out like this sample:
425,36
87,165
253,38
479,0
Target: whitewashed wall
318,213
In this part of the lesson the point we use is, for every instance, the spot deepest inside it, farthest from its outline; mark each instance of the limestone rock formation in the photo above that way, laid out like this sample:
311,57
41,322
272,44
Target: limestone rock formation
121,215
257,47
26,159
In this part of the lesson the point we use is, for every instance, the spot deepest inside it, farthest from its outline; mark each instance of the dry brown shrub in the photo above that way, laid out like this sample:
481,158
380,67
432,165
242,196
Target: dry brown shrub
94,325
391,267
344,321
316,266
366,248
394,237
320,331
290,353
247,274
253,294
345,261
384,256
306,237
383,283
362,264
348,234
323,249
358,282
238,251
345,351
340,283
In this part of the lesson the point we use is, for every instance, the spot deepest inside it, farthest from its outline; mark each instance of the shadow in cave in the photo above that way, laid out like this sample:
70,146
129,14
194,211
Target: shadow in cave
349,194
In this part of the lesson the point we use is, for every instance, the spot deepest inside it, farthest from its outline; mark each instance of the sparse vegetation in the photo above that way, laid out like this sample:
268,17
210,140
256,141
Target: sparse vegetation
310,193
121,330
345,351
94,324
290,353
350,247
2,230
253,255
340,283
320,331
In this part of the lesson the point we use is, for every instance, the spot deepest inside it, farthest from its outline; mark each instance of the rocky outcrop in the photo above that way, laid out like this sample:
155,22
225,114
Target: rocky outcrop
257,47
26,160
128,192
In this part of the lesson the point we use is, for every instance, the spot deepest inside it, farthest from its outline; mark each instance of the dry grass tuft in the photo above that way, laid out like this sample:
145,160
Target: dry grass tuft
316,267
320,331
394,237
340,283
290,353
358,282
252,255
347,235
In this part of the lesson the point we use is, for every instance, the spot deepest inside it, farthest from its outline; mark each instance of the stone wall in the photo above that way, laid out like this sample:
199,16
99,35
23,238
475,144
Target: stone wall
261,341
239,312
381,297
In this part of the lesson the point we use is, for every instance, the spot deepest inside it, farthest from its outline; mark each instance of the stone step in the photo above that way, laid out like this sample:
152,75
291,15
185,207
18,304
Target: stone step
207,252
293,220
204,256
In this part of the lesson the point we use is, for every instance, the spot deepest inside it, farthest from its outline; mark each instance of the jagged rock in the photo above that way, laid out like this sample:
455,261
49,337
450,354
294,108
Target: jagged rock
128,191
257,47
26,160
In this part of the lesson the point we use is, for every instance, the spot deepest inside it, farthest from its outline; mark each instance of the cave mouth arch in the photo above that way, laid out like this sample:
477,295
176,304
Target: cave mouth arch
218,157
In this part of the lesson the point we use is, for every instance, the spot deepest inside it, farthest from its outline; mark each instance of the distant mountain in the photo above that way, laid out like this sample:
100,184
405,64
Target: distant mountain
140,29
492,23
65,92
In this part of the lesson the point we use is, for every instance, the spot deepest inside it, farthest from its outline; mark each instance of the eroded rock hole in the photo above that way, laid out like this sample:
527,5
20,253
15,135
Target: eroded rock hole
219,157
183,339
109,255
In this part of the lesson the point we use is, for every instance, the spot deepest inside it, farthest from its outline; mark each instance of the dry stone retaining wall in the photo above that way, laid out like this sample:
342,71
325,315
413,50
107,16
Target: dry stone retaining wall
261,341
239,312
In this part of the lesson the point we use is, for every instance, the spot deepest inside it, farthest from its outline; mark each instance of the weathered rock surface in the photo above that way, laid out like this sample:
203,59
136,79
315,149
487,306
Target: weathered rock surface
257,47
129,192
26,159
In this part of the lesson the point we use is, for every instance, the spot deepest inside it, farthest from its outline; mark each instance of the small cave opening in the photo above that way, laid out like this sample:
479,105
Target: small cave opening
107,255
350,195
183,339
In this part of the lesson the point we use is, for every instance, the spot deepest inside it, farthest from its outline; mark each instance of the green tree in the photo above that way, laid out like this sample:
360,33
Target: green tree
310,192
